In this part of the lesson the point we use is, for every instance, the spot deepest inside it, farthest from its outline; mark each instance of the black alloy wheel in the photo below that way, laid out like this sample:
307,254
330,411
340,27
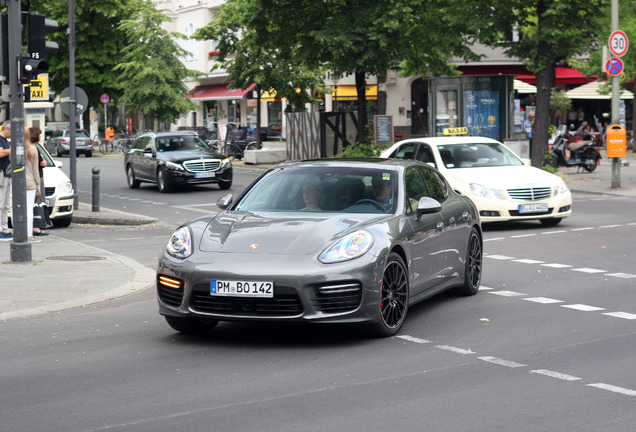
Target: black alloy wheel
473,265
394,297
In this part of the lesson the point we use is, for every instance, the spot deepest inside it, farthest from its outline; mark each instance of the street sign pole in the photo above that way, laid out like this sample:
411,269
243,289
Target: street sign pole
20,246
616,165
73,101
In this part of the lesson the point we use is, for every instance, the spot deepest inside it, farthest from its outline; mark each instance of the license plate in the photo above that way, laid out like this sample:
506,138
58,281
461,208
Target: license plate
204,175
242,289
533,208
47,202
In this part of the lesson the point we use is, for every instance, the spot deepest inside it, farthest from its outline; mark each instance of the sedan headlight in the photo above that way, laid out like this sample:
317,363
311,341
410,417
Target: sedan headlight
226,163
65,188
174,166
483,192
180,243
347,248
559,188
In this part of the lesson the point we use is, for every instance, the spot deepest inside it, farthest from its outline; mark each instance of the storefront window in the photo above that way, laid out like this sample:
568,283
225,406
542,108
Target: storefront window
481,113
446,113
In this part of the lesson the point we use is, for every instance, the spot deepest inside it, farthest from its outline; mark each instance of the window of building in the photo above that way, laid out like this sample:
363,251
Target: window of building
191,45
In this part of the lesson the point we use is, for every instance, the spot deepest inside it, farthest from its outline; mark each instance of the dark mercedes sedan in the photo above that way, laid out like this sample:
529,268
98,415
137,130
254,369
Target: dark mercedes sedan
324,241
175,158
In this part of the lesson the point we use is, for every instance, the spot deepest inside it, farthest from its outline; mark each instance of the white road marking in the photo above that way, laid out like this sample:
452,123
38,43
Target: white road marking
543,300
413,339
507,293
589,270
455,350
523,235
483,288
614,389
557,375
499,257
555,232
494,239
611,226
556,265
621,275
623,315
583,308
582,229
528,261
501,362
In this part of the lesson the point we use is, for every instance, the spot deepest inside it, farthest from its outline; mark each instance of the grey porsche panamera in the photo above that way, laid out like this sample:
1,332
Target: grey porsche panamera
324,241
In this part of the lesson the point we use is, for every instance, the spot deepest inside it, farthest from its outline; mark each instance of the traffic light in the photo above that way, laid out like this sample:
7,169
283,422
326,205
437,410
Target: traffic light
34,63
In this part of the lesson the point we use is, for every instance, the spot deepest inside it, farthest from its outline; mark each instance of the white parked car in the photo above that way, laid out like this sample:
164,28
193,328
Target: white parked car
59,191
501,185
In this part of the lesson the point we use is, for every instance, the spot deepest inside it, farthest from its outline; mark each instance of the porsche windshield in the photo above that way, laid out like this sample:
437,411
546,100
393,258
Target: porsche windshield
323,189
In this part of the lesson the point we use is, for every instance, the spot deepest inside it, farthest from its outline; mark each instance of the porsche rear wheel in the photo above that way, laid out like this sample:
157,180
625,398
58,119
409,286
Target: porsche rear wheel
394,297
473,265
190,325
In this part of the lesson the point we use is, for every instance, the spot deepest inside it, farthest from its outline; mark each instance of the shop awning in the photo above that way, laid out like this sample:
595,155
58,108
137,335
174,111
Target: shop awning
217,92
523,87
563,74
591,91
348,92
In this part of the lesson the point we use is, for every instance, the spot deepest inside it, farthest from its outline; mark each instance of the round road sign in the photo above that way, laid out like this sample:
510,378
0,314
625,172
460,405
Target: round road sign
614,66
618,43
104,98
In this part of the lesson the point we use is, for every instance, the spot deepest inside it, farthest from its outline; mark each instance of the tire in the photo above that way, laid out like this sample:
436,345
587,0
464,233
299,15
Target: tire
103,147
551,221
225,185
590,157
190,325
88,154
62,222
162,182
58,153
394,298
133,183
473,265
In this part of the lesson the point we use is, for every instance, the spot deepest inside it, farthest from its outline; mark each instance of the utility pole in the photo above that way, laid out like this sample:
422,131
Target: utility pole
616,162
73,101
20,246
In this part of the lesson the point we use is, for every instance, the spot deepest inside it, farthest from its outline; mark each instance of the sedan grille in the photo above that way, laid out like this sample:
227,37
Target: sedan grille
334,298
530,194
202,165
284,303
49,191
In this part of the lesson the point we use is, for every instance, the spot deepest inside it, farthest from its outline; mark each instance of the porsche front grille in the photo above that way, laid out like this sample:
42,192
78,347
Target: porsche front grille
284,303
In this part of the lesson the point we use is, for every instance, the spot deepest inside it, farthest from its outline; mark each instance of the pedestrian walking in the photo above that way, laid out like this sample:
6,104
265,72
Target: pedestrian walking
32,181
40,214
5,181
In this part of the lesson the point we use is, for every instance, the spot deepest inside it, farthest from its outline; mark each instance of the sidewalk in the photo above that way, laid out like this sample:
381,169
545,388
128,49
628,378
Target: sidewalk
65,274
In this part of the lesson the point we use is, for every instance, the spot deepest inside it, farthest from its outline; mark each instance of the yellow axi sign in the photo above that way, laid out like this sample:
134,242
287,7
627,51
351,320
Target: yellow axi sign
456,131
40,88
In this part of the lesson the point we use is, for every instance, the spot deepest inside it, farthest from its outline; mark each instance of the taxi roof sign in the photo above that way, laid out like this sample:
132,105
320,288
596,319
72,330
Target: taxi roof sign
456,131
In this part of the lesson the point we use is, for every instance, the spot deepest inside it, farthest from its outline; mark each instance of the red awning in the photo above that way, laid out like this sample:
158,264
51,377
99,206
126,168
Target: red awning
563,74
217,92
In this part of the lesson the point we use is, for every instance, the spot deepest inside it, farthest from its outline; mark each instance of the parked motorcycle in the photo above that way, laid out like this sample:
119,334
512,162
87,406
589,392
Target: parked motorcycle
568,152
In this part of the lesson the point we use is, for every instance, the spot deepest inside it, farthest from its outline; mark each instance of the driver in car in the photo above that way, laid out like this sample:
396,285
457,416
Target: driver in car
382,187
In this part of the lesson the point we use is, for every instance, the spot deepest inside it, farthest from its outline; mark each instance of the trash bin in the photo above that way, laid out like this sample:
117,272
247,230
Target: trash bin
616,141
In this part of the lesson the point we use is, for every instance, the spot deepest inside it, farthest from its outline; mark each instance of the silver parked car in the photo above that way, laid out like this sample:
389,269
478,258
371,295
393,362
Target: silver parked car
60,143
325,241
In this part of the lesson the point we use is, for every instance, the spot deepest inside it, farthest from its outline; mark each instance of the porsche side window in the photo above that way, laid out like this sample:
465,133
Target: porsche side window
415,189
435,184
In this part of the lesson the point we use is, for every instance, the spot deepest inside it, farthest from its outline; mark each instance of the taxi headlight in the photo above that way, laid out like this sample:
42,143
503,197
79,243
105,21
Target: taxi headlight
65,188
559,188
483,192
180,243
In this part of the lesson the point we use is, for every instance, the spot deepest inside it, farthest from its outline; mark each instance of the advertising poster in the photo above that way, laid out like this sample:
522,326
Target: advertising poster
481,112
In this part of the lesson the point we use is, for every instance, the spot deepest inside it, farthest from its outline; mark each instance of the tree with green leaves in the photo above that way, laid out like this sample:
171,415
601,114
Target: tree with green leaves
550,33
151,73
357,37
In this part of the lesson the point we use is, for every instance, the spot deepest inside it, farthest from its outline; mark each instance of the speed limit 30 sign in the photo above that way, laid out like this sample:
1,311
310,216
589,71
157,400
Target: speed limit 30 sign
618,43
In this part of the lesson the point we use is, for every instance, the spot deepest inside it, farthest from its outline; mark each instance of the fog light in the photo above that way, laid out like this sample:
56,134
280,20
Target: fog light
169,282
489,213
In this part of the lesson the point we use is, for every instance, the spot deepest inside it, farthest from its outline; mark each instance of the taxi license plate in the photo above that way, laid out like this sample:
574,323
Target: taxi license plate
242,289
204,175
533,208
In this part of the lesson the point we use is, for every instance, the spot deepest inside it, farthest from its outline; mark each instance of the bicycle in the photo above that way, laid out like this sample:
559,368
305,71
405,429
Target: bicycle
105,146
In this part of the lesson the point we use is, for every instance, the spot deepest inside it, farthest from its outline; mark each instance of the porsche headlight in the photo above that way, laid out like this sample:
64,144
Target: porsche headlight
180,243
559,188
174,166
347,248
483,192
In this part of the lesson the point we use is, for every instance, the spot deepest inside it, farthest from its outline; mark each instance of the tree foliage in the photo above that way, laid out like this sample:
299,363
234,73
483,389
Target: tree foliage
550,33
151,72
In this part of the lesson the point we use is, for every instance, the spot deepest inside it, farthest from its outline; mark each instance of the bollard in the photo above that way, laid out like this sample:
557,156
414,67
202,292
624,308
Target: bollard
95,189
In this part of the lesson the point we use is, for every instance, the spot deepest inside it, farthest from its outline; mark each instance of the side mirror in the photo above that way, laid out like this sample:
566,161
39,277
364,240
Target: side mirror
58,163
224,202
428,205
